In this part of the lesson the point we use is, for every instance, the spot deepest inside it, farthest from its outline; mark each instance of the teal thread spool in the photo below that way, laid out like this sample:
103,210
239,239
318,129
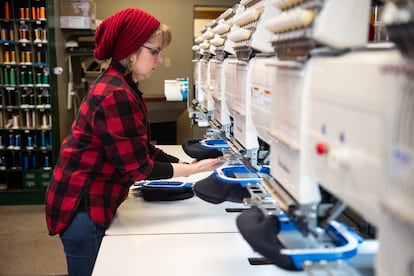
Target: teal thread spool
38,78
45,78
30,77
23,99
22,78
12,76
31,99
6,76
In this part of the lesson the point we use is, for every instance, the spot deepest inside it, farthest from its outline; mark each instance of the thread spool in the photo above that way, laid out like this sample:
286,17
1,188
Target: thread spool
6,76
23,34
15,120
21,13
11,141
50,139
26,162
3,34
34,161
34,139
17,141
7,10
42,140
30,77
44,121
34,14
39,99
3,163
22,57
23,100
22,78
45,78
31,99
29,142
37,34
9,98
28,57
38,78
42,13
27,13
47,165
34,124
13,56
11,34
44,35
6,57
12,76
27,113
39,57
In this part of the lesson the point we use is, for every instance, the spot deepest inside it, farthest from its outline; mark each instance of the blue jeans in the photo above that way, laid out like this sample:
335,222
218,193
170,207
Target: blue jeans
81,241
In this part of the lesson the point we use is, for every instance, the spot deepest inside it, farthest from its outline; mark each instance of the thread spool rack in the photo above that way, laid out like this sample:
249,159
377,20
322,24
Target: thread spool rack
26,155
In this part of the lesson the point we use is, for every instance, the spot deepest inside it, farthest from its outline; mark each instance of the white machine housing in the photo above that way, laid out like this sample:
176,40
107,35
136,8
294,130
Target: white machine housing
243,129
221,112
261,89
288,155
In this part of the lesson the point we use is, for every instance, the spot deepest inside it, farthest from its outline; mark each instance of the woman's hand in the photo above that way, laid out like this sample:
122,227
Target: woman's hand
207,164
210,164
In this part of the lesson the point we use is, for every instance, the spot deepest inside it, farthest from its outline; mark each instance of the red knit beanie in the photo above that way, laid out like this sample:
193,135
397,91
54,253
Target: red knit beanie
122,33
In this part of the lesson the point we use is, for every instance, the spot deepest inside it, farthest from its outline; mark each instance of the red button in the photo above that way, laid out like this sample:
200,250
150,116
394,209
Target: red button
321,148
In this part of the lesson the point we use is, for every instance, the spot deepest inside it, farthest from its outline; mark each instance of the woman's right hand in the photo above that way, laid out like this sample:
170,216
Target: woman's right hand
204,165
209,164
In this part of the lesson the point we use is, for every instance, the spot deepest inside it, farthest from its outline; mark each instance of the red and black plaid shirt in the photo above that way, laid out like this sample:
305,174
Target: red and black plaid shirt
107,149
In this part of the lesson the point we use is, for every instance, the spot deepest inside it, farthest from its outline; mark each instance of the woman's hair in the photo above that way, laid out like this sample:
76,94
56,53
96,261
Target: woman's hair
166,35
165,32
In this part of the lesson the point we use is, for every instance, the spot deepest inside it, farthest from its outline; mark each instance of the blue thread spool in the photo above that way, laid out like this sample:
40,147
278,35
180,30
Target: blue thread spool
3,162
50,139
34,141
17,141
43,140
29,142
11,140
34,161
26,162
47,162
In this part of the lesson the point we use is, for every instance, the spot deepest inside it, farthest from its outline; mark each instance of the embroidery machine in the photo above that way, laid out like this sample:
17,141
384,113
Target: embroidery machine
340,124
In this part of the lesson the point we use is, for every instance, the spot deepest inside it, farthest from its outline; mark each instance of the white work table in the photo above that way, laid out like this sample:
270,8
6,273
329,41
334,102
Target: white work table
218,254
184,237
136,216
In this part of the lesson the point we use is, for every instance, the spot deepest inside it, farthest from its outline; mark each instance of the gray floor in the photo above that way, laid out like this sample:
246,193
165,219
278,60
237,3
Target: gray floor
25,246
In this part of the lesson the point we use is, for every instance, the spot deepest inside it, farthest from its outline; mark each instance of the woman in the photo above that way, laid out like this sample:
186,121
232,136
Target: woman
109,145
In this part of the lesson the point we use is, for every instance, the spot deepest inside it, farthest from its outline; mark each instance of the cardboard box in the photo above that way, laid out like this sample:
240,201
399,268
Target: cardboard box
78,14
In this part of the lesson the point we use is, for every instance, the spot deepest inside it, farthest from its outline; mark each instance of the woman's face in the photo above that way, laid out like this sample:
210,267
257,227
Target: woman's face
143,62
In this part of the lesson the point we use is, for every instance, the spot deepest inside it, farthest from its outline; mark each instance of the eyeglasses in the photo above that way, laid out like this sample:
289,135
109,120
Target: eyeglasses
156,52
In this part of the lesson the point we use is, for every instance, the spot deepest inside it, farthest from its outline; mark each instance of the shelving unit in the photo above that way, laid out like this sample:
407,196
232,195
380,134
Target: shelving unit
26,136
